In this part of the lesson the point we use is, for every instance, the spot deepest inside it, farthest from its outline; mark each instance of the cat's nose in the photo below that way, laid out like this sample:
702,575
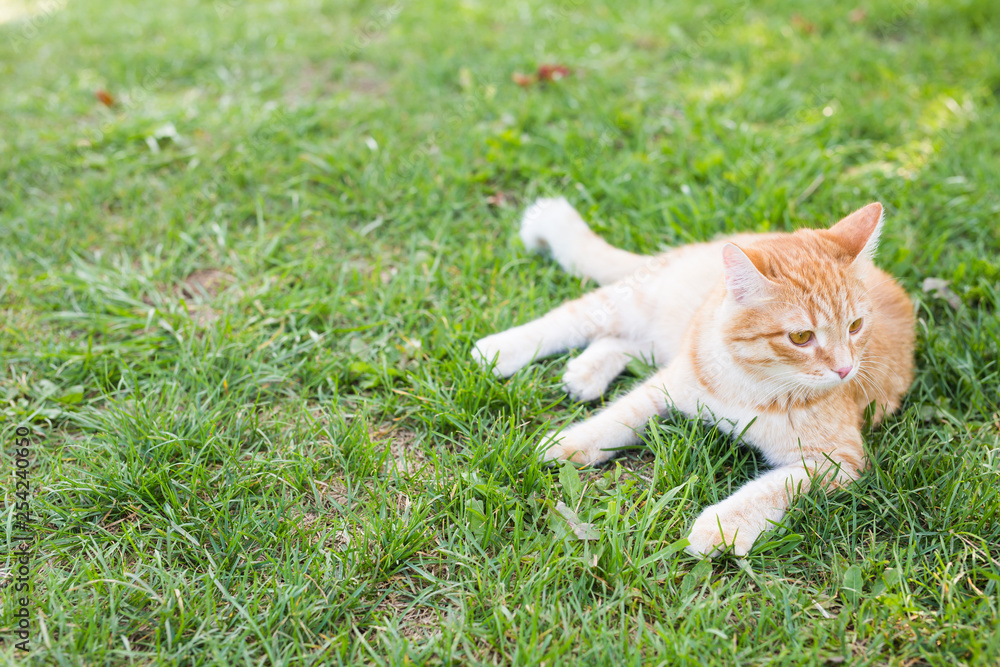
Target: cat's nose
844,372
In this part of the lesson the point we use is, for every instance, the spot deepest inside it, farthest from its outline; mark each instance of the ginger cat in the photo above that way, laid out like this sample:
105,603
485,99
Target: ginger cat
785,338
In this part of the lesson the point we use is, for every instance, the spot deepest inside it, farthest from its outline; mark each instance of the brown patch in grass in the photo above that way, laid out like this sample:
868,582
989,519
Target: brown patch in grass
336,491
117,527
202,315
417,621
313,81
204,284
420,623
405,455
362,78
638,464
198,289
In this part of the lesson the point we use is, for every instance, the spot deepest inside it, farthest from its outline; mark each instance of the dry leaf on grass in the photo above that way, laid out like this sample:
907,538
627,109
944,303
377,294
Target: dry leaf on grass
546,73
498,199
583,531
104,97
939,288
552,72
803,25
523,80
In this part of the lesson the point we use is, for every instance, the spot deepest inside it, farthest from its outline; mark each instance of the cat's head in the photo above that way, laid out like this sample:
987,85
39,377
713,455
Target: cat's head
797,309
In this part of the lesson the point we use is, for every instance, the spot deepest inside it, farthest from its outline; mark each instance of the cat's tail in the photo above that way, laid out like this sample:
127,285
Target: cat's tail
554,225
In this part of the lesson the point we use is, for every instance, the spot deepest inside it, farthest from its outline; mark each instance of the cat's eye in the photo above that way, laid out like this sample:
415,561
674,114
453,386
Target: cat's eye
856,325
800,337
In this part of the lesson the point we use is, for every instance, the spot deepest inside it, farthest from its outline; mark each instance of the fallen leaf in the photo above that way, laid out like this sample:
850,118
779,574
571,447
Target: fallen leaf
552,72
104,97
498,199
824,612
803,25
583,531
853,584
939,288
523,80
569,477
167,131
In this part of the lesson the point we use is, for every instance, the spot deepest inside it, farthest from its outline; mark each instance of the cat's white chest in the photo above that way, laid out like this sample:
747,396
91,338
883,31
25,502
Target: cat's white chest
773,434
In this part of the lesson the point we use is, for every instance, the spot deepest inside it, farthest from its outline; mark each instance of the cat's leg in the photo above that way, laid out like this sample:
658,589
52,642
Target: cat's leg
738,521
590,373
619,425
555,226
573,324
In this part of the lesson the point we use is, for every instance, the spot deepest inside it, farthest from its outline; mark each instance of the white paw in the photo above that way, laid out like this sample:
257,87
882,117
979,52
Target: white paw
507,349
549,221
721,527
584,381
572,445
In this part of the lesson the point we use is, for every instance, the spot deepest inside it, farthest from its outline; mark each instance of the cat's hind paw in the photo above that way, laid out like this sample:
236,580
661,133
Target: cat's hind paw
587,376
583,386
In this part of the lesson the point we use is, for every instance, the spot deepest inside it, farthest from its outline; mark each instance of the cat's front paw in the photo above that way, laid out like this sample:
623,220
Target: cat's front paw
572,445
721,527
510,353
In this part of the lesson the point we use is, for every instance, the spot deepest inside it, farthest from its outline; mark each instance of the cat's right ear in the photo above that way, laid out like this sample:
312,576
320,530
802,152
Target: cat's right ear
743,280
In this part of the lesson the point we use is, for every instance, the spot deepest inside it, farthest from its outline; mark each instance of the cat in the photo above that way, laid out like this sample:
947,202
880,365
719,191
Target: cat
782,339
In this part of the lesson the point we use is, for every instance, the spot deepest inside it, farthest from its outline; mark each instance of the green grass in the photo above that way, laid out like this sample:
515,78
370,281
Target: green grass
236,309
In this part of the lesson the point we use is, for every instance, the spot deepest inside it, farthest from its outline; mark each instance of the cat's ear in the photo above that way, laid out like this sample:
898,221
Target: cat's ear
859,232
743,280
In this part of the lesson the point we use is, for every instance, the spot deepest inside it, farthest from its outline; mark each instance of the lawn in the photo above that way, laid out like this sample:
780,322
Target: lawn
245,248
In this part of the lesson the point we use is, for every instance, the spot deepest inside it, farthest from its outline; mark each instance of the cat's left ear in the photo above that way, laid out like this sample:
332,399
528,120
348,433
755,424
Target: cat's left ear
858,233
743,279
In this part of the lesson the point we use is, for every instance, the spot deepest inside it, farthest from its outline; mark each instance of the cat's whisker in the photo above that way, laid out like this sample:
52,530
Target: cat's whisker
881,364
879,392
864,390
887,280
860,378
